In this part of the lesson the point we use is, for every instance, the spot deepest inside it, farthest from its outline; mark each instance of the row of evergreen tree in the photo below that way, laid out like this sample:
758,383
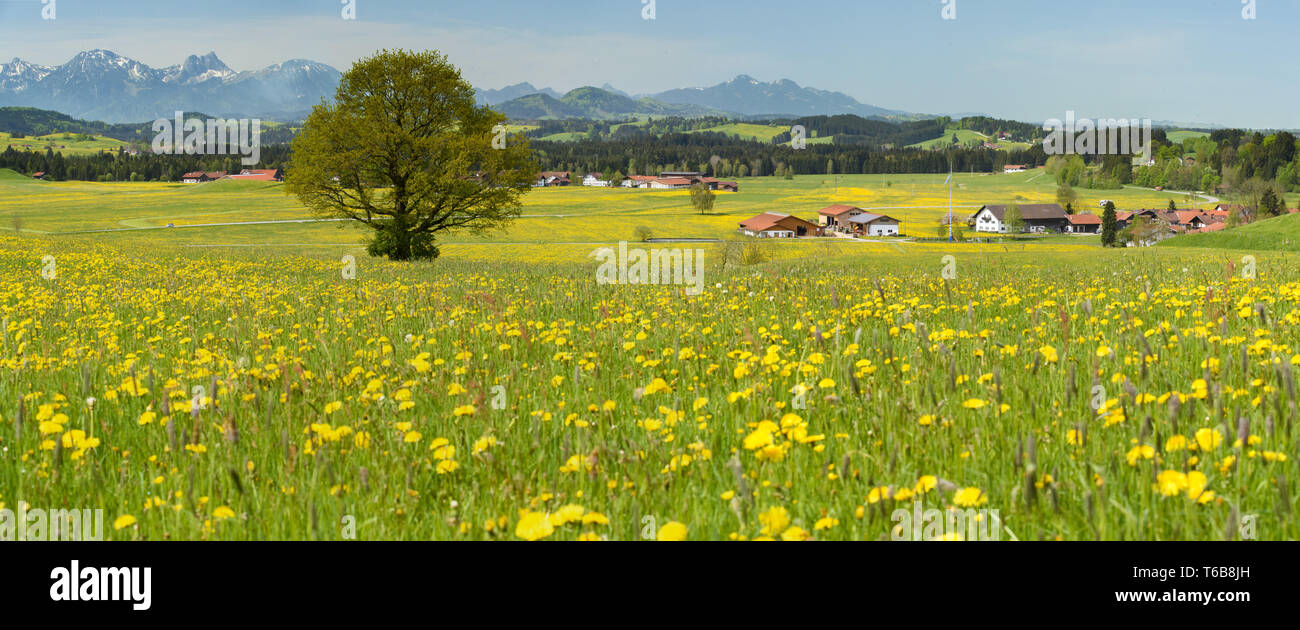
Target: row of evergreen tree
120,166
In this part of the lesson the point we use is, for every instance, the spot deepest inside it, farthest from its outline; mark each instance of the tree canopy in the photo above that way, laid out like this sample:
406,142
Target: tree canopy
404,150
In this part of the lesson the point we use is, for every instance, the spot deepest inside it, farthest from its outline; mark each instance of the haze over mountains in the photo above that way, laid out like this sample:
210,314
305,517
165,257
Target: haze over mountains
743,95
102,85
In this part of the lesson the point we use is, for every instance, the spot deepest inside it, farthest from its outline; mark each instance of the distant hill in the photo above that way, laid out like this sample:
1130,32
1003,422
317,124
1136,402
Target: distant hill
1278,234
510,93
38,122
102,85
749,96
593,103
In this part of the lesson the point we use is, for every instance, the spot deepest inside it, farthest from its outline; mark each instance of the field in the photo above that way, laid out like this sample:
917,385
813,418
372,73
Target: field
237,382
1180,135
565,215
61,143
965,136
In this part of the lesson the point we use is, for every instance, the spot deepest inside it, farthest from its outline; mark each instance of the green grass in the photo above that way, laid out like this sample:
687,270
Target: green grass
1278,233
318,400
305,378
747,131
1180,135
55,141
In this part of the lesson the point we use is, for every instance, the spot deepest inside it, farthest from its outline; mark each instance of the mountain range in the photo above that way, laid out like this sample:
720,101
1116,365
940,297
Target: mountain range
741,96
102,85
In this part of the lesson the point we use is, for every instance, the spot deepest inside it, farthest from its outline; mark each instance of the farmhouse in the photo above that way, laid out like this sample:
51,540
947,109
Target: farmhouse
1191,219
638,181
676,180
259,175
868,224
1038,217
838,216
1013,168
552,178
1124,218
595,179
198,177
1087,223
777,225
671,183
40,175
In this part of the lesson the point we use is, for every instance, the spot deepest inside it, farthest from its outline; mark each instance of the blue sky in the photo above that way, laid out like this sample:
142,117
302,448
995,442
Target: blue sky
1179,60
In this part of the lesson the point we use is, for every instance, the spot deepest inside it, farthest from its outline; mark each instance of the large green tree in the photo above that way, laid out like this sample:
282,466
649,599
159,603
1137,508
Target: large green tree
404,150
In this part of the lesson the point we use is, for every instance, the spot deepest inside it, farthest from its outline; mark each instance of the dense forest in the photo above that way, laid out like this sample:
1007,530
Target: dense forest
119,166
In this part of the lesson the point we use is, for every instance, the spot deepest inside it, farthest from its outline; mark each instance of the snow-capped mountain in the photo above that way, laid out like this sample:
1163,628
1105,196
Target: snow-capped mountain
197,69
102,85
18,75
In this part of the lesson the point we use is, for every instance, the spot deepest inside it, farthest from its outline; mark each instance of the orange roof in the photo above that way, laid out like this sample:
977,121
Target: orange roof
1214,227
768,220
837,210
674,181
1186,216
1084,219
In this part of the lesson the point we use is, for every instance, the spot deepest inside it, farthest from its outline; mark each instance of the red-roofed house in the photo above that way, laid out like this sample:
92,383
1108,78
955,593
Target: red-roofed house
1086,223
553,178
198,177
671,183
259,175
638,181
777,225
838,216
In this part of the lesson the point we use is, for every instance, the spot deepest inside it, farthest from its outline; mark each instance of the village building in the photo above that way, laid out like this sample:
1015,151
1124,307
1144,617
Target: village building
552,178
638,181
1086,223
595,179
259,175
1013,168
199,177
837,216
778,225
1038,218
868,224
670,183
681,174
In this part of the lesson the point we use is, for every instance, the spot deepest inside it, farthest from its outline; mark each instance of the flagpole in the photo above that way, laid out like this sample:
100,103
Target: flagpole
949,200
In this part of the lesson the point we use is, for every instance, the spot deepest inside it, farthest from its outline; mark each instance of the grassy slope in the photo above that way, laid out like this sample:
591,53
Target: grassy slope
1280,233
1183,134
964,136
54,141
